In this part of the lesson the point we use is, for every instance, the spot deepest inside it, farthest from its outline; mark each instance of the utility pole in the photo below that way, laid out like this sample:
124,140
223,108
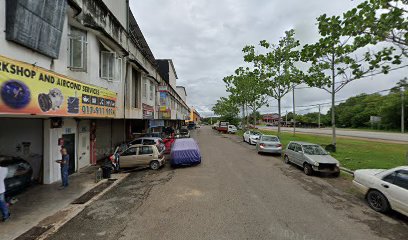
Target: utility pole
333,93
286,118
294,112
402,110
319,116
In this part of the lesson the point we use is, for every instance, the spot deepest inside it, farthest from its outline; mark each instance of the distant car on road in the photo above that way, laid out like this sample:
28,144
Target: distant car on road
251,137
223,127
312,158
232,129
191,126
269,144
184,133
384,189
142,155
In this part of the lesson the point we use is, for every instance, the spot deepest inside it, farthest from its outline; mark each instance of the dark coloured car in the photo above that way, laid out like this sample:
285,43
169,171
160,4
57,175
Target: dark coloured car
191,126
184,133
19,174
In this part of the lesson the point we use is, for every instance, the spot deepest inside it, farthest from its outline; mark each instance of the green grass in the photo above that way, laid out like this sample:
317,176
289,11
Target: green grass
355,154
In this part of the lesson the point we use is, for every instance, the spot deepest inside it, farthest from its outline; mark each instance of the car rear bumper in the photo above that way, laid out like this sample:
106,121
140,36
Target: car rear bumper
361,188
162,160
270,150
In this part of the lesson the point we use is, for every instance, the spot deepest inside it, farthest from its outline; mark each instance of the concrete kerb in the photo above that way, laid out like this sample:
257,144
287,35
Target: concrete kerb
66,214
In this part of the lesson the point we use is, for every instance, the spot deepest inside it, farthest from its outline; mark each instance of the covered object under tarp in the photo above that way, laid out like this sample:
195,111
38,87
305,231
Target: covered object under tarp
185,152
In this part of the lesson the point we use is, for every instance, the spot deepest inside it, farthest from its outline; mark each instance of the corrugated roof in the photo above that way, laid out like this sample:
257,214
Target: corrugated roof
137,37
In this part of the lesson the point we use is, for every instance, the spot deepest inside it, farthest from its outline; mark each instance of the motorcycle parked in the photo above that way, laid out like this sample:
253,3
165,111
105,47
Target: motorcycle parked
114,158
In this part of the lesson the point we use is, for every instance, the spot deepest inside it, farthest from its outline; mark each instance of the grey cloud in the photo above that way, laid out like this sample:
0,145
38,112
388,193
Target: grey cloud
205,41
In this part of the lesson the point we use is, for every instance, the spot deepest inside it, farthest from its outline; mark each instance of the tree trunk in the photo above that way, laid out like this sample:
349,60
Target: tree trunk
279,113
243,115
333,113
254,115
247,115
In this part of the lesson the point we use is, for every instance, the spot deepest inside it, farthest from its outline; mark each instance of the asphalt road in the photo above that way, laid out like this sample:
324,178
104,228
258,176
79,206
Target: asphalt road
388,136
234,194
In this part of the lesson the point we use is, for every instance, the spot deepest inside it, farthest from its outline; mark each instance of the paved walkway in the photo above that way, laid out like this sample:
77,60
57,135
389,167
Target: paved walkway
41,201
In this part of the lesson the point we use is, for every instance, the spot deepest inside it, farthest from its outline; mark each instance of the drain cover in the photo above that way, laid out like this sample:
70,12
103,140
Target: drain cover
93,192
33,233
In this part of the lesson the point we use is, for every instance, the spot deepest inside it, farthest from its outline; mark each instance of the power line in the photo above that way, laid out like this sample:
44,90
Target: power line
342,100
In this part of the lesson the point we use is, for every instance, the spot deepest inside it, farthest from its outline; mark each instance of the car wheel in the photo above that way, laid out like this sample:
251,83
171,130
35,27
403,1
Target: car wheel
243,139
154,165
336,174
307,169
377,201
286,158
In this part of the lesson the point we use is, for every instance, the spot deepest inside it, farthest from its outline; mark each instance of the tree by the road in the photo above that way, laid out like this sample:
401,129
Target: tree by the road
246,89
227,109
337,57
277,67
376,21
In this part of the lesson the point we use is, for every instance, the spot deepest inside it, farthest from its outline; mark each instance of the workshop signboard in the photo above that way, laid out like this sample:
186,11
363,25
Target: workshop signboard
27,89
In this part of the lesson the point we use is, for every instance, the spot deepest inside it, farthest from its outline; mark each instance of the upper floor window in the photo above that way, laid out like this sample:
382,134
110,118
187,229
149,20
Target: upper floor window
151,91
77,50
110,65
144,88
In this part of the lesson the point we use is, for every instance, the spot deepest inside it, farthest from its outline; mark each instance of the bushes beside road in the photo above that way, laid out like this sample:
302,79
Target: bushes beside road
354,153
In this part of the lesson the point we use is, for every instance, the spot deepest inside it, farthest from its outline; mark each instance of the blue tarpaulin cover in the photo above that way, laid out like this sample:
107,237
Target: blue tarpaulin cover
185,151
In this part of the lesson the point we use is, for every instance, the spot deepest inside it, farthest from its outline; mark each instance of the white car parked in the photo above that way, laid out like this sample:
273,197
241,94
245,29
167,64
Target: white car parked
232,129
384,189
251,137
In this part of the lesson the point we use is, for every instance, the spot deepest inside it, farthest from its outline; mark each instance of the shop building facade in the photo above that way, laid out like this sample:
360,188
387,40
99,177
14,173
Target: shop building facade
75,73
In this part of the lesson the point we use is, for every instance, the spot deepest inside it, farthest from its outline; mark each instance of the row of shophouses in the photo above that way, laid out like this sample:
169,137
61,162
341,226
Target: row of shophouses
79,73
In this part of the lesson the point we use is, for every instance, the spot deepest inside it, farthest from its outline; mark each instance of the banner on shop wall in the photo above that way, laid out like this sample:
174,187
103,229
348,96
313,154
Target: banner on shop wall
148,111
27,89
163,101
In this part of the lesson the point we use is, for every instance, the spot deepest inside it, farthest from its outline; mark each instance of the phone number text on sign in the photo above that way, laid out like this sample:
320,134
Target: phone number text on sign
91,110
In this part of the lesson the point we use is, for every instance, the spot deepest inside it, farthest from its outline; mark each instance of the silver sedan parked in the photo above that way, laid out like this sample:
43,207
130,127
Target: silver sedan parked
269,144
312,158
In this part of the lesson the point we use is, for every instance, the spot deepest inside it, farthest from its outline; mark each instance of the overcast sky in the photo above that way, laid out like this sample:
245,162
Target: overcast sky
205,40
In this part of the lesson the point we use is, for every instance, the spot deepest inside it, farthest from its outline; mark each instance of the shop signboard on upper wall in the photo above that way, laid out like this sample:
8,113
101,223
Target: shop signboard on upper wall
27,89
163,101
148,111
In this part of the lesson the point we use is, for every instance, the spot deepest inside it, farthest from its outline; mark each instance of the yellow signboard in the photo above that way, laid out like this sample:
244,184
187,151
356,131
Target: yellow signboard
27,89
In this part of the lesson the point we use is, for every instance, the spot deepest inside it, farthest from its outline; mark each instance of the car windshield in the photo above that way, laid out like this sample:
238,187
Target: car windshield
256,133
270,139
314,150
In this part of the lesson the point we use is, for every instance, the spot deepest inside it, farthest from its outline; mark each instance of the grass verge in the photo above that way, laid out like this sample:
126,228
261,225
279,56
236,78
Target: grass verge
355,154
